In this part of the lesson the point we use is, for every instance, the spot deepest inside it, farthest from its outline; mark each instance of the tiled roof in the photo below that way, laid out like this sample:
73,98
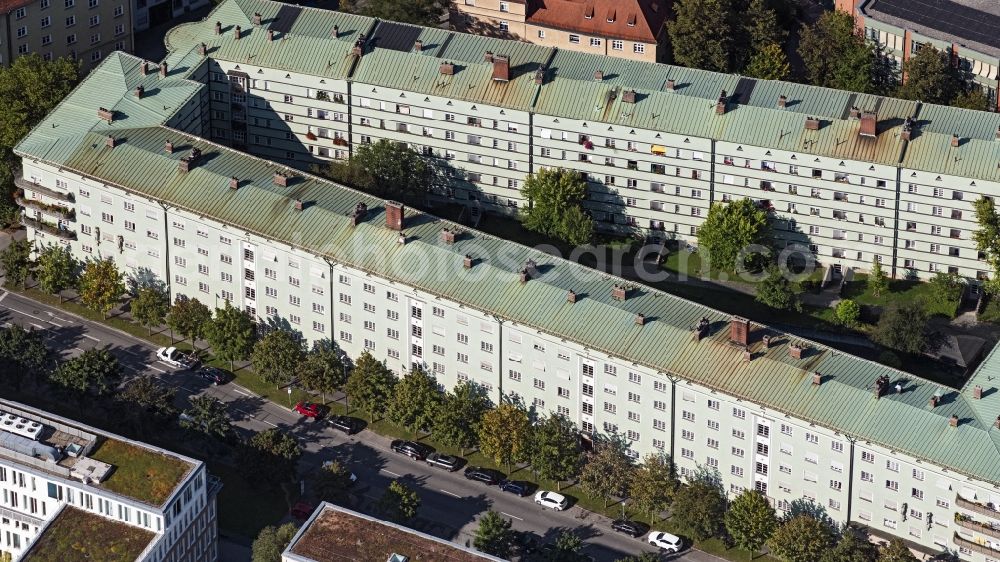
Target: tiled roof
8,6
844,401
635,20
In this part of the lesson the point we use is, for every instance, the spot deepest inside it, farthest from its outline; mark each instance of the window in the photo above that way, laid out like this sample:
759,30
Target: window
892,485
617,45
739,414
574,38
638,48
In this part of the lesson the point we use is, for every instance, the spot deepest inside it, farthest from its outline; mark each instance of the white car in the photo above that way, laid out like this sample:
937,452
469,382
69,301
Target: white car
551,500
173,357
665,541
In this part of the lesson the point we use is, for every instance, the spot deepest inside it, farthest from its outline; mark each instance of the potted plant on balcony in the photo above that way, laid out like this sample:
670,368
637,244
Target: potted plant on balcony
311,136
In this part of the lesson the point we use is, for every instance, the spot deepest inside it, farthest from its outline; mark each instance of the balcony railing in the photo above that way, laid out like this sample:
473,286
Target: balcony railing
48,228
26,184
66,213
975,547
969,523
976,507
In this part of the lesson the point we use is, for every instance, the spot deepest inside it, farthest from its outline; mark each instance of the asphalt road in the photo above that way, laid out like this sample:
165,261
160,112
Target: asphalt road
451,505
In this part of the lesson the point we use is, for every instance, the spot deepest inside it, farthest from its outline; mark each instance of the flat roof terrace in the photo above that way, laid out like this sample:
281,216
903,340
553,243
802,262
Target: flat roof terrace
78,536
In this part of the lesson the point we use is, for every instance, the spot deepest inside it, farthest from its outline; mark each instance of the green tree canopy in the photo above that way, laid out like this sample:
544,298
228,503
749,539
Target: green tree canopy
555,210
801,539
268,458
852,68
189,318
555,449
458,418
896,551
654,484
732,228
987,238
750,520
150,306
332,481
608,471
972,98
567,547
231,333
847,313
930,77
399,503
776,291
370,385
94,372
418,12
385,169
769,62
853,546
494,535
644,557
323,369
946,288
207,415
25,354
700,505
271,542
505,434
762,26
101,285
706,34
903,327
16,261
56,269
278,356
878,283
415,401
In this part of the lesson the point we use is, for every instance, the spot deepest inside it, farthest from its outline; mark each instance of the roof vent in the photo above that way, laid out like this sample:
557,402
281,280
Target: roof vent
720,104
359,214
817,379
739,330
598,75
256,18
237,32
571,296
953,421
501,68
105,114
795,350
299,205
168,147
907,132
812,123
139,91
218,28
144,68
628,96
488,57
765,340
977,392
701,328
418,45
281,179
234,183
448,236
671,84
335,32
447,68
868,124
163,69
619,293
270,35
202,49
782,102
640,319
855,112
110,141
540,75
394,215
359,46
954,141
467,261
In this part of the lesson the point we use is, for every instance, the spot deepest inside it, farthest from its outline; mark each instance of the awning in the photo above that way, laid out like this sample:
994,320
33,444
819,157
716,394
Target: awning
657,149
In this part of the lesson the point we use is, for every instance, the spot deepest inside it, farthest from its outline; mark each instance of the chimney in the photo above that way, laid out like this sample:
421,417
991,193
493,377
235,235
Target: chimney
488,57
256,18
185,164
359,214
270,35
144,68
953,421
954,141
933,402
234,183
795,351
782,102
619,293
747,354
110,141
336,31
571,296
907,132
237,32
628,96
418,45
168,147
671,85
139,91
855,112
359,47
640,319
163,69
523,276
766,341
812,123
218,28
817,379
996,424
447,68
720,105
467,261
501,69
701,328
868,125
447,236
401,239
394,215
977,392
105,114
195,154
202,49
998,133
598,75
280,179
540,75
298,205
739,330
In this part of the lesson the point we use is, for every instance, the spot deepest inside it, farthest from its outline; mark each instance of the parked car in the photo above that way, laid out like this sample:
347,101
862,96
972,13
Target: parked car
447,462
516,487
212,375
309,409
173,357
665,541
551,500
485,475
346,424
415,451
626,527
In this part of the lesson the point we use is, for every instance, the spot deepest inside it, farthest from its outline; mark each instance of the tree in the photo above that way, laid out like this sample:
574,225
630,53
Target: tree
567,548
271,542
800,539
704,35
415,401
877,281
700,505
608,471
847,313
654,484
555,197
207,415
16,260
730,229
972,98
896,551
332,481
277,356
852,68
505,434
323,368
458,418
370,385
494,535
762,26
903,327
987,238
750,520
946,288
268,458
145,403
231,333
769,62
644,557
776,291
24,352
416,12
399,503
101,285
189,318
94,372
385,169
150,307
853,546
56,269
555,452
930,77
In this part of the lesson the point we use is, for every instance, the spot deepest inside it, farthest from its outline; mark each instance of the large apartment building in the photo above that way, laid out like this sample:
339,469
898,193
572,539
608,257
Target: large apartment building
630,29
967,29
122,169
69,488
87,30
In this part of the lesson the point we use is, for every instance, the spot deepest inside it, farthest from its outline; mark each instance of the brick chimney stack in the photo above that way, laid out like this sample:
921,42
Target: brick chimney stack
394,215
739,330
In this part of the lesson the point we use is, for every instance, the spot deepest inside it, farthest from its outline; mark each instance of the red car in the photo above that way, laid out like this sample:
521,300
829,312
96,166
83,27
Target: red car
308,409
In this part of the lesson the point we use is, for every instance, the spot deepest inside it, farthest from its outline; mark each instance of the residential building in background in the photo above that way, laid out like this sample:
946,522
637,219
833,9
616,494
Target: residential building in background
150,13
771,411
969,30
338,533
67,483
630,29
87,30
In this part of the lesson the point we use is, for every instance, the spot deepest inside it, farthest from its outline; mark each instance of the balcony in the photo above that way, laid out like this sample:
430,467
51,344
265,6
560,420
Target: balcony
979,508
26,184
65,213
970,523
48,228
975,547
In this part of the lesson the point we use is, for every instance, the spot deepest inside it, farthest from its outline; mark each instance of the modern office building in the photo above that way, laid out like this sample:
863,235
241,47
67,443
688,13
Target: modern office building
338,533
631,29
71,489
87,30
967,29
122,169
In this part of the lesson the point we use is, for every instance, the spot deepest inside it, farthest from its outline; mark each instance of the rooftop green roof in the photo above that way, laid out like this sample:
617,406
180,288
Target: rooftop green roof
140,473
844,401
78,536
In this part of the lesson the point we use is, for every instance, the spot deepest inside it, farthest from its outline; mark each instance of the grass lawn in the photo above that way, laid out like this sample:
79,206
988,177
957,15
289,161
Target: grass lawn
77,536
139,473
900,292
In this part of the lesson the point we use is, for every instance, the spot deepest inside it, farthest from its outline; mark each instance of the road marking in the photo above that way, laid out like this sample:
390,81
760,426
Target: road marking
269,423
245,413
39,327
4,295
90,337
12,309
79,349
243,393
511,516
164,363
390,472
157,369
450,494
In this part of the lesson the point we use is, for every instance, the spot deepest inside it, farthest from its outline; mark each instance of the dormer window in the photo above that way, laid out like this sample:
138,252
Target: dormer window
589,13
631,20
611,16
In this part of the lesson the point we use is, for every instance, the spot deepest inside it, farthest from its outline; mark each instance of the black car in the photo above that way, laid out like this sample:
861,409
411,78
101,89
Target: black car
626,527
447,462
484,475
415,451
346,424
212,375
515,487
